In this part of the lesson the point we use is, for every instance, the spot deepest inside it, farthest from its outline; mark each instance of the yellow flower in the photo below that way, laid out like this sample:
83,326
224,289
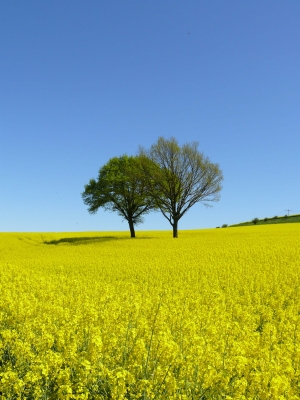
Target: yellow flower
86,317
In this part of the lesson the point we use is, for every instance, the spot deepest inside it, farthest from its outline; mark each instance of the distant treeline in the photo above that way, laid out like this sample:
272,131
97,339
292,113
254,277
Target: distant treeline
273,220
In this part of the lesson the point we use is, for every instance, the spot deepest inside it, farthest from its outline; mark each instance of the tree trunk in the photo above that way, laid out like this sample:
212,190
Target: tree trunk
131,227
175,229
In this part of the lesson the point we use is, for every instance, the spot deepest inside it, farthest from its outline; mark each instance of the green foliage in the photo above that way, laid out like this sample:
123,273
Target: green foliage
266,219
255,220
275,217
224,226
121,187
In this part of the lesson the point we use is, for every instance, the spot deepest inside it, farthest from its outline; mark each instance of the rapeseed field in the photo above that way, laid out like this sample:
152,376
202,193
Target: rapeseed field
214,314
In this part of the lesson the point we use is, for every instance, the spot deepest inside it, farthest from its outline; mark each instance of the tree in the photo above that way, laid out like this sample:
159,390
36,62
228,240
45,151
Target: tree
120,188
255,220
179,177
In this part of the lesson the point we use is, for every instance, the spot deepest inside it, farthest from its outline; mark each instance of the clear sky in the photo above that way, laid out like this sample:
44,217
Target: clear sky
84,81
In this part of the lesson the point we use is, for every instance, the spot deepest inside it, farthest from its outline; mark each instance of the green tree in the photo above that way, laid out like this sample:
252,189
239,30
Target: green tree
179,177
121,187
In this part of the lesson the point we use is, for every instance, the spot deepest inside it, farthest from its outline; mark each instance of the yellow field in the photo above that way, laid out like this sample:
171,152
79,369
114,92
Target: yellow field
214,314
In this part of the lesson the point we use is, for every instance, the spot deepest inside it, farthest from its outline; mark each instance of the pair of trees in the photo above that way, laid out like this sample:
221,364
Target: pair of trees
166,178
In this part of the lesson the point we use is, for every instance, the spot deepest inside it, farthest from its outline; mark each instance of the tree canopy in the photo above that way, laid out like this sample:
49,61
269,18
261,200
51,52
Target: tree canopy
121,187
179,177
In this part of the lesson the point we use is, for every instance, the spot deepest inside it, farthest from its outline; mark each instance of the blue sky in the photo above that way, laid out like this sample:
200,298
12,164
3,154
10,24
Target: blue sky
84,81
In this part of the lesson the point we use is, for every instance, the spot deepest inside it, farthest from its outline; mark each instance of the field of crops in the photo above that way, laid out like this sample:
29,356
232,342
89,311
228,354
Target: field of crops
214,314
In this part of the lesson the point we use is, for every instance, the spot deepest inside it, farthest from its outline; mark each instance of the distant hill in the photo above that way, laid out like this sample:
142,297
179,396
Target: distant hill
273,220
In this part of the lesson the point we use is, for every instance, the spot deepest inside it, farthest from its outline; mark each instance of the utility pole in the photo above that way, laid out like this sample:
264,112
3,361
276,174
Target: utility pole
288,211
